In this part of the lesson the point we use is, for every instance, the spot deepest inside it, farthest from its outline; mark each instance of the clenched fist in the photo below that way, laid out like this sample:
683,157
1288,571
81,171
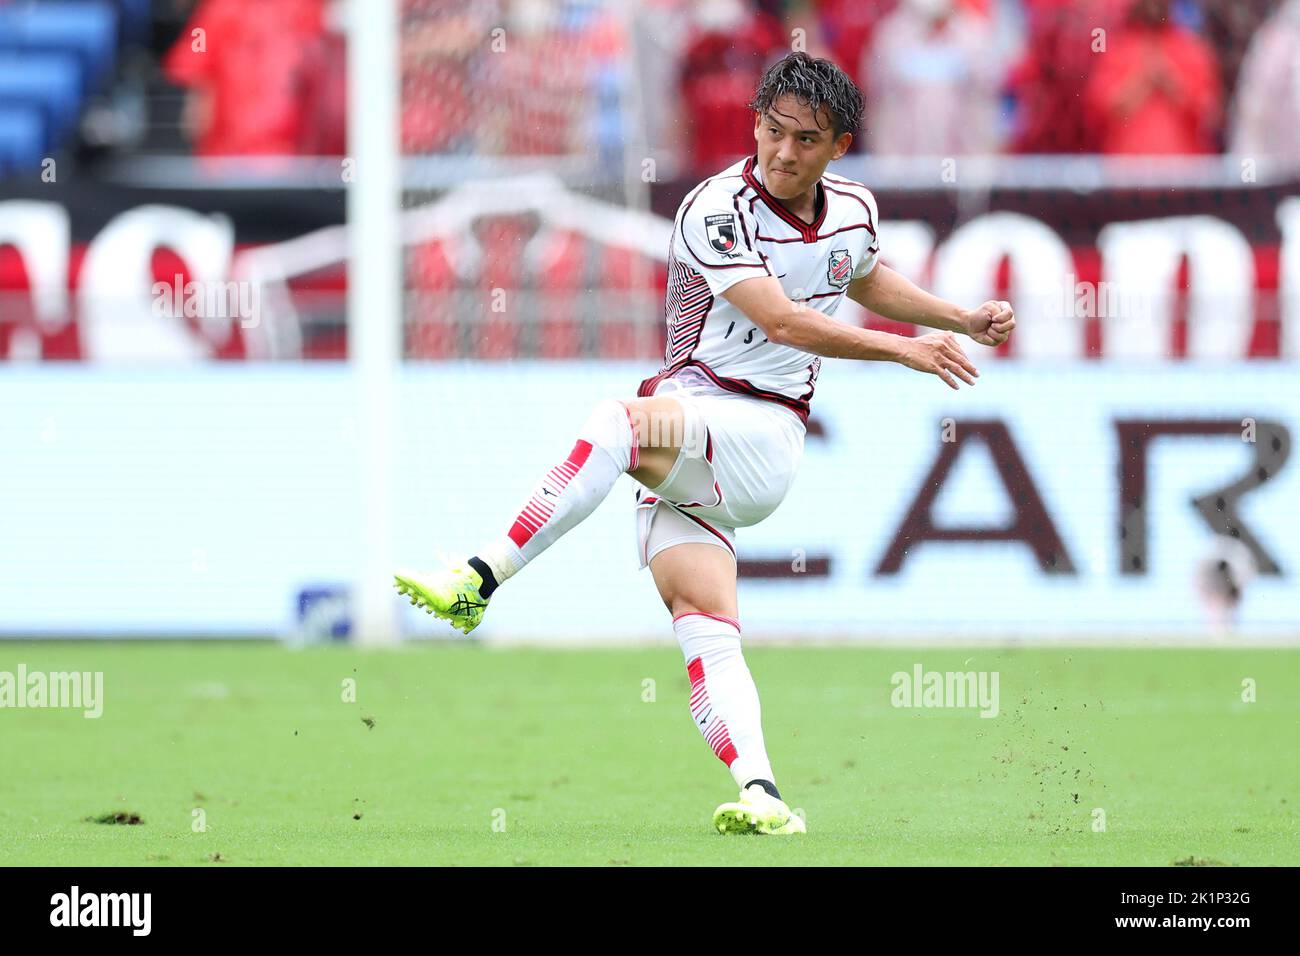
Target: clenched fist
991,323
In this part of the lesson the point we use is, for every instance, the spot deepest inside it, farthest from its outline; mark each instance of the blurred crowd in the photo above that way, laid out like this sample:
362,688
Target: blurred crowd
941,77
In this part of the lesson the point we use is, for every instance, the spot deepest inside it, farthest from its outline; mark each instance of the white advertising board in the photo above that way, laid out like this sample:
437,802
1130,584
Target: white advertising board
1045,503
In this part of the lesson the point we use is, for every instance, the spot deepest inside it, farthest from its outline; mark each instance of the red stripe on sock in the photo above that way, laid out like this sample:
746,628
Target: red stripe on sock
578,457
722,745
521,532
717,737
562,475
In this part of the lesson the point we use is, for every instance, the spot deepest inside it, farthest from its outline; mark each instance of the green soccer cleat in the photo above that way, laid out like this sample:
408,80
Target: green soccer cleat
757,811
452,594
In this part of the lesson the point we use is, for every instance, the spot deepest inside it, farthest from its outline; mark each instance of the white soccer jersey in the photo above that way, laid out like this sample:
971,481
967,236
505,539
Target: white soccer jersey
731,228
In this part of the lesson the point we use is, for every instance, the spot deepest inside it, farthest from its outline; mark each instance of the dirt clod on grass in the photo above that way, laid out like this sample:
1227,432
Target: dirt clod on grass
118,816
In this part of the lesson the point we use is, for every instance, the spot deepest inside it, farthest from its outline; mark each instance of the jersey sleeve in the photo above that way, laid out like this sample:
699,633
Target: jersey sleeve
870,254
715,237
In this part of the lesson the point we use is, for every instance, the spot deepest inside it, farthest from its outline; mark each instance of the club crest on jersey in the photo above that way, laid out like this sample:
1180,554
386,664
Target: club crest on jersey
721,232
840,269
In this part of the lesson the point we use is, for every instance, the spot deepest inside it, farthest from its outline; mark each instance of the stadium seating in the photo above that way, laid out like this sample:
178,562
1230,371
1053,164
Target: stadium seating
22,137
53,56
50,81
82,27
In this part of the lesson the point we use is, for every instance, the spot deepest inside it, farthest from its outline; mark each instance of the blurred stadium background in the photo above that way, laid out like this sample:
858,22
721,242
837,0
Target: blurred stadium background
294,291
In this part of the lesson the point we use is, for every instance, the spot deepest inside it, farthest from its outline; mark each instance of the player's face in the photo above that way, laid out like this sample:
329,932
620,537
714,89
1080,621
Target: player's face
794,146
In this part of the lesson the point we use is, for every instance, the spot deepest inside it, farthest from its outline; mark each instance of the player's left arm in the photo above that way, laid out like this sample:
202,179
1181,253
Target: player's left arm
892,295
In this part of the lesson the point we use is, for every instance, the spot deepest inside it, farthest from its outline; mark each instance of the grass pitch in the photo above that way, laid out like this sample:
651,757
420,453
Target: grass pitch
464,755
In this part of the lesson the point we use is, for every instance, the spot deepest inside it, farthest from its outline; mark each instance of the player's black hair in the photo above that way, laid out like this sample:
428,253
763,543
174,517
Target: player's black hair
815,83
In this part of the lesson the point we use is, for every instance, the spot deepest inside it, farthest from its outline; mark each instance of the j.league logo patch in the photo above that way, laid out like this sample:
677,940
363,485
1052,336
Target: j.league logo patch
840,268
721,231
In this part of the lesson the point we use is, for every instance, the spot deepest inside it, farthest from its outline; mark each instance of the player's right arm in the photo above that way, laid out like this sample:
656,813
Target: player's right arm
790,323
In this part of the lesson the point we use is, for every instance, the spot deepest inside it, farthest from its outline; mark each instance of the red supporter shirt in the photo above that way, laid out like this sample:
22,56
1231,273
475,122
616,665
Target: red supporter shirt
249,61
1154,120
719,73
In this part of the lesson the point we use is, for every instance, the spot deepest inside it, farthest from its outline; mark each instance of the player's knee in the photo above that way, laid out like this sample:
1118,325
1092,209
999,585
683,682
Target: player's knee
666,424
610,427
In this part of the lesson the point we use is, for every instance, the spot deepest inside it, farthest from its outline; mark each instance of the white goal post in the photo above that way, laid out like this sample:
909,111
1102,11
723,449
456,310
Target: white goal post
374,300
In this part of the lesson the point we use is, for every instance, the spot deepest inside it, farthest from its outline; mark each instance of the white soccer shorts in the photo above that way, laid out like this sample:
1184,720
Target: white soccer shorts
739,458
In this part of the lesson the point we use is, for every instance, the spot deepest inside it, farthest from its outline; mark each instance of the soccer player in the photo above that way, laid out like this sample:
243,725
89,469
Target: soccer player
762,255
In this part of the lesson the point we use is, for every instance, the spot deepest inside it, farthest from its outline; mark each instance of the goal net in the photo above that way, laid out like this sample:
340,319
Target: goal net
525,186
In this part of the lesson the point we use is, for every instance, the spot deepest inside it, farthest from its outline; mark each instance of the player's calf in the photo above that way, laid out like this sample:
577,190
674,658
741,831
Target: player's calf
566,494
724,701
610,442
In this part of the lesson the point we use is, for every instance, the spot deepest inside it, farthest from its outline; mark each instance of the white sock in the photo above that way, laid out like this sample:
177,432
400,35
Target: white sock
569,492
724,700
